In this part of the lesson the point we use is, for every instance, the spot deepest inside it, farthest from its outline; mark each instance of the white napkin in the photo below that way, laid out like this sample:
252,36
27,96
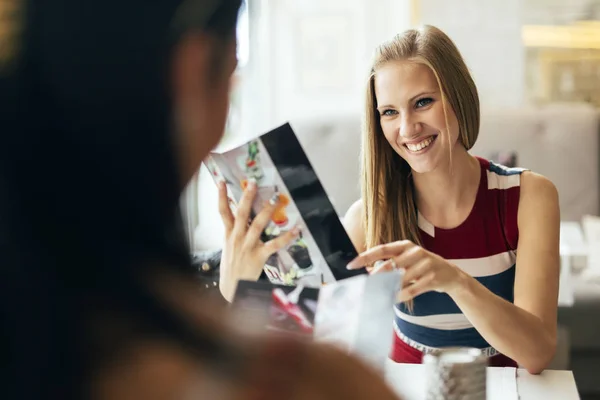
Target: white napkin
502,384
591,230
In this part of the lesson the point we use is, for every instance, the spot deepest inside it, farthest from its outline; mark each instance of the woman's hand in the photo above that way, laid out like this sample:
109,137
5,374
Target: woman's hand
244,254
424,271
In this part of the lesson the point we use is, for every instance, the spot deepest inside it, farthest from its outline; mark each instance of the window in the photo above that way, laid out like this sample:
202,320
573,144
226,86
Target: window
243,36
234,119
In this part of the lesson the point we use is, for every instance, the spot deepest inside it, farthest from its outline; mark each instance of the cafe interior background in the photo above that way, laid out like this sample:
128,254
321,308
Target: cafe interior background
536,64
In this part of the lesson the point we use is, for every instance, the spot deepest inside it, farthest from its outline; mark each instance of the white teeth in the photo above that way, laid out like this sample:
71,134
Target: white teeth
421,145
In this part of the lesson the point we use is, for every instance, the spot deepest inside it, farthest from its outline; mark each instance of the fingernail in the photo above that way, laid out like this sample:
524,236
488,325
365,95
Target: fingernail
251,183
296,231
274,200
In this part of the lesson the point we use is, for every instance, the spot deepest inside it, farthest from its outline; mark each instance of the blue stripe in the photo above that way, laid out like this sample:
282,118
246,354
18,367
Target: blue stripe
505,171
434,303
442,338
502,284
431,303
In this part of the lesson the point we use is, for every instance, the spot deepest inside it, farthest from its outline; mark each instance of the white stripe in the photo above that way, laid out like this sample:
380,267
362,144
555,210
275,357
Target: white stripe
487,351
425,225
496,181
446,322
487,266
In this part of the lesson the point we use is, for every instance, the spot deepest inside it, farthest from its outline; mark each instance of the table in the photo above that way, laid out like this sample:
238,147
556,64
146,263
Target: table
572,244
408,380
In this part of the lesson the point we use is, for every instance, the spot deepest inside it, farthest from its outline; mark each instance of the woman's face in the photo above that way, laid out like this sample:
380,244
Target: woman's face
409,102
202,72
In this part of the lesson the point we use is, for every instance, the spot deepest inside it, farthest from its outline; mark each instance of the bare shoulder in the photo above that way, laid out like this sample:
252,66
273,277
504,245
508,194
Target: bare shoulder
354,224
148,370
356,210
537,190
538,199
533,183
325,364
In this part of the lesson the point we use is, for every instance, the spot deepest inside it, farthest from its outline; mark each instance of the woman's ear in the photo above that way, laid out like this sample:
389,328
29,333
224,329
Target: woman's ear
191,67
200,73
201,61
190,86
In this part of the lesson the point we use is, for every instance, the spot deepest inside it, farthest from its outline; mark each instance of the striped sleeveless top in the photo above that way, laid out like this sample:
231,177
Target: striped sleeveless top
484,246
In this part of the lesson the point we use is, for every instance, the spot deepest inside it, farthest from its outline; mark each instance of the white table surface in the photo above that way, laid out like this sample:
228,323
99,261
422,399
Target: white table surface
572,240
502,383
572,244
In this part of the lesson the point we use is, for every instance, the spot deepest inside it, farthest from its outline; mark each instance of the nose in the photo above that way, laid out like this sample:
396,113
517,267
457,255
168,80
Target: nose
409,127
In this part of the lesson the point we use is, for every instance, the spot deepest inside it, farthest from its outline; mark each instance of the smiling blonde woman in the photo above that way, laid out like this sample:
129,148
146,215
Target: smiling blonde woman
478,241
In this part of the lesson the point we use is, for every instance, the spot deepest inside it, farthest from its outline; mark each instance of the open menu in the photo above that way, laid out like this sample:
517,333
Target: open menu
357,315
273,307
279,165
354,314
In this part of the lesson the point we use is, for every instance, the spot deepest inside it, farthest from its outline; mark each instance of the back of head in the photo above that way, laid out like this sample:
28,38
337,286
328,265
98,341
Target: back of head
388,192
89,185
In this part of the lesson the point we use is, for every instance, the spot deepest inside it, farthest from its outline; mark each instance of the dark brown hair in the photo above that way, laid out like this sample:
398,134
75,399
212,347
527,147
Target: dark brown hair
89,189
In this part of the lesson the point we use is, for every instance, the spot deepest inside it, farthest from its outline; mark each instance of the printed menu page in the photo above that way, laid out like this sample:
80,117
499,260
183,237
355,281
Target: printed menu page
280,167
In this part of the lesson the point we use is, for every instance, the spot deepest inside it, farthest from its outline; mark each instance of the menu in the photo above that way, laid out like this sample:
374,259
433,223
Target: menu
279,165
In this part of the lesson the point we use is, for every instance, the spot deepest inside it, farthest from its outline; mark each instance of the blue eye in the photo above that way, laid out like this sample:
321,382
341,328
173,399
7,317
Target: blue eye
388,112
423,102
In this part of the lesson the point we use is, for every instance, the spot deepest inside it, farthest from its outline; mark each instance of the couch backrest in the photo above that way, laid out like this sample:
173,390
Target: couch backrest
558,141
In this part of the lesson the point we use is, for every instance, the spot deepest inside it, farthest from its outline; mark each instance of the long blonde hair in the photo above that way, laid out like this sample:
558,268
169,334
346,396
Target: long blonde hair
388,192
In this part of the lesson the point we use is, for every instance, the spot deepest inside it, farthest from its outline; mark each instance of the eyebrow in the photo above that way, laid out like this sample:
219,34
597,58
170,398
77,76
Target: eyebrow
410,100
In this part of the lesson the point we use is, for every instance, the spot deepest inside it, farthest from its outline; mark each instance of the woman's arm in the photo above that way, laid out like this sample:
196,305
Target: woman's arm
525,330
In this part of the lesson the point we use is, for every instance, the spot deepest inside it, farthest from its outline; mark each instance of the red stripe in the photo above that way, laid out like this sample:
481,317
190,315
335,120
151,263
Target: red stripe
491,227
403,353
485,164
